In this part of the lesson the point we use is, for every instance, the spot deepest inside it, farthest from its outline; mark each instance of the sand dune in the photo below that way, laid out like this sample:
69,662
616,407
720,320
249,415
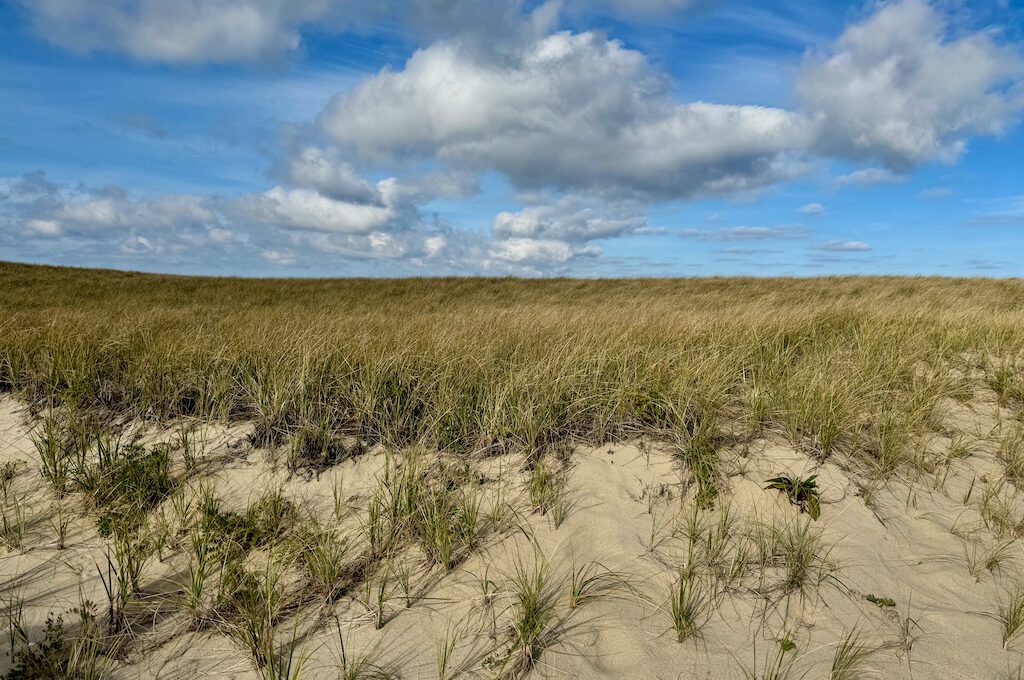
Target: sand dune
631,519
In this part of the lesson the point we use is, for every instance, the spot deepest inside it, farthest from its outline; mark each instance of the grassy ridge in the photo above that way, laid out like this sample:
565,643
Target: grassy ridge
465,364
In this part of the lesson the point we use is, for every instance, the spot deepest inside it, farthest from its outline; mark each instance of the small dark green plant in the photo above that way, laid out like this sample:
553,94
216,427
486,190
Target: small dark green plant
127,482
264,521
60,653
880,601
772,667
801,492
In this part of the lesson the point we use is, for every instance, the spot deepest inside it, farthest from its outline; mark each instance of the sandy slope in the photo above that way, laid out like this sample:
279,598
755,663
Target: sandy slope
909,541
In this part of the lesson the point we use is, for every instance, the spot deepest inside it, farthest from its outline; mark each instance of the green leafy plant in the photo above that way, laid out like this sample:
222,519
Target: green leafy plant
880,601
801,492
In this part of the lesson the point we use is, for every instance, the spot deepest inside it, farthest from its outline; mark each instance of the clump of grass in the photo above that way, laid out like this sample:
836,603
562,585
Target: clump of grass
445,651
122,577
533,617
1011,453
436,508
328,559
126,481
701,458
776,666
357,667
547,489
798,553
264,521
249,605
1001,513
376,593
13,522
1007,381
317,447
199,569
851,657
1010,615
689,605
60,522
886,442
54,455
447,526
979,559
592,580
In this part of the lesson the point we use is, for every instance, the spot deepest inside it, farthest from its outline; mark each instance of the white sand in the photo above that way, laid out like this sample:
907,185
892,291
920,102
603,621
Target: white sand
909,545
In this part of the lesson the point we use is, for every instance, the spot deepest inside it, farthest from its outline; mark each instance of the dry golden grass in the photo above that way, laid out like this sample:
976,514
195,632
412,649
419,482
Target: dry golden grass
464,364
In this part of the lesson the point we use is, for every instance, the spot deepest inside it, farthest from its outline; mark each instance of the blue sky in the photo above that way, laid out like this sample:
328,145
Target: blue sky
427,137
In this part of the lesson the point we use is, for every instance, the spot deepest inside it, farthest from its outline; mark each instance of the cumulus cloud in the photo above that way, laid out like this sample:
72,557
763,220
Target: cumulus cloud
289,225
35,205
386,223
308,209
322,171
575,112
569,219
902,88
586,128
540,251
812,209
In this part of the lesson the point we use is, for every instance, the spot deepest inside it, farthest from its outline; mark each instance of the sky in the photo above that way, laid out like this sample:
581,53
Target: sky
514,137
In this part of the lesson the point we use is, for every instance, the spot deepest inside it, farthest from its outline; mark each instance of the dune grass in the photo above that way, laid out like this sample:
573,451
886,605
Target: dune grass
458,365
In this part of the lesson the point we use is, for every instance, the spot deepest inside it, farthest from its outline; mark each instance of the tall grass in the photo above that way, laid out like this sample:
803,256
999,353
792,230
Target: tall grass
476,364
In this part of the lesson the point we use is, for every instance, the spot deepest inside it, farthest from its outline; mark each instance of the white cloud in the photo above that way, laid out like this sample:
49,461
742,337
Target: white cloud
569,111
812,209
86,212
43,227
307,209
199,31
631,8
540,251
282,226
869,177
843,246
782,232
183,30
322,171
902,88
571,218
281,258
